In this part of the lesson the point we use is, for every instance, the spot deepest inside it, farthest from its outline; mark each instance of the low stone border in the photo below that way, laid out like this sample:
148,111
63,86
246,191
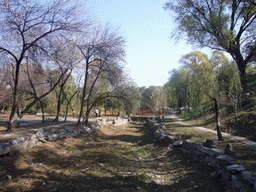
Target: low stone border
226,167
158,126
43,135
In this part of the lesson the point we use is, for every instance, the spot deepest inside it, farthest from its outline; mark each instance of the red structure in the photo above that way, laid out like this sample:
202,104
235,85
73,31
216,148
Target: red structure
148,112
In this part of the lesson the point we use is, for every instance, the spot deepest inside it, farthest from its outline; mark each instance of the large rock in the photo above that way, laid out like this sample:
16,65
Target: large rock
225,160
209,143
229,150
192,146
40,133
177,143
52,137
235,169
170,138
85,130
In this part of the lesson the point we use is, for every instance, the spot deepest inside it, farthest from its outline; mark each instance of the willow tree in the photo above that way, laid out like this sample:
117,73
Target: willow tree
205,77
153,97
221,25
178,87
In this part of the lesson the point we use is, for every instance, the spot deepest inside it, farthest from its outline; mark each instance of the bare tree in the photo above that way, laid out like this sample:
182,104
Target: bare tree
102,54
253,2
28,25
69,104
66,55
39,83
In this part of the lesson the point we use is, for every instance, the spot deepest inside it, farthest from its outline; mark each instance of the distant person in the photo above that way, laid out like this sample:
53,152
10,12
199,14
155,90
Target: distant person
96,112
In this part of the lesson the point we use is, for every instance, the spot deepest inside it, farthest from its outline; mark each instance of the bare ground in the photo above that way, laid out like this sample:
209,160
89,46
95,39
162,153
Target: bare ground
114,158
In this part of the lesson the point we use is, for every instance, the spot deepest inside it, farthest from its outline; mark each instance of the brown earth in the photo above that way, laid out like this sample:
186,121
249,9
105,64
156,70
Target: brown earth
113,158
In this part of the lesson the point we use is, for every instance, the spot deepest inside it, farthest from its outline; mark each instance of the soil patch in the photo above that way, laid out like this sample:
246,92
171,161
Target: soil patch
113,158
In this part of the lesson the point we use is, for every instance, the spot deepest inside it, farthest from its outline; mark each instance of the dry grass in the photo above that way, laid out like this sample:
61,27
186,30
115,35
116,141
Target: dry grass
114,158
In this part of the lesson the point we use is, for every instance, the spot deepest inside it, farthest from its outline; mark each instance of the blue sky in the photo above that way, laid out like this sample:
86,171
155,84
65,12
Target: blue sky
146,27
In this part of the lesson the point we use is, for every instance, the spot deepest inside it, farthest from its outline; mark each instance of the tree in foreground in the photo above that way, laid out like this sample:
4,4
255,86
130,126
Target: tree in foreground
27,25
103,53
221,25
204,73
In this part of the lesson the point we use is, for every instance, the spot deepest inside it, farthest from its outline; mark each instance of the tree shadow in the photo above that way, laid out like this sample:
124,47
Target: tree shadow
90,164
146,135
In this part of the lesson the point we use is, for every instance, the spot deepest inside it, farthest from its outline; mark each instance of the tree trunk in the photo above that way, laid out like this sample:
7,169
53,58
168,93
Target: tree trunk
217,119
243,78
236,112
66,113
58,106
179,104
10,124
69,104
60,94
84,91
241,64
18,114
42,108
15,95
87,113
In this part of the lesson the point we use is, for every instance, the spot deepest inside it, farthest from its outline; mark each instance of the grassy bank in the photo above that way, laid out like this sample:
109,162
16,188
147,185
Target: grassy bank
245,156
244,126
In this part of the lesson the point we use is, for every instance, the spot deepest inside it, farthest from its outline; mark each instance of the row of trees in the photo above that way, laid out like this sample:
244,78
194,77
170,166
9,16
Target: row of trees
201,81
153,97
52,50
224,25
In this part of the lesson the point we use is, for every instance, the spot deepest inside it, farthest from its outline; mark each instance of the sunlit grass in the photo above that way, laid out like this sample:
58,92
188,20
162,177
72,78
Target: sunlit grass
188,133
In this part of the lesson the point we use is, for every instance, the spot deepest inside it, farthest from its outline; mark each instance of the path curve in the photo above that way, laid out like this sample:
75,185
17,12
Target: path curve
245,141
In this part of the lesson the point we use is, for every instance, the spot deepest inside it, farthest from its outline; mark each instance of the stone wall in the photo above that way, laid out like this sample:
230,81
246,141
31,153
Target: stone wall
226,167
43,135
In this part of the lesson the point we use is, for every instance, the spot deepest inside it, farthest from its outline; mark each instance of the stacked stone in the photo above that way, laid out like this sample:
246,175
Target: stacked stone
226,167
115,122
18,144
161,135
120,121
67,132
41,136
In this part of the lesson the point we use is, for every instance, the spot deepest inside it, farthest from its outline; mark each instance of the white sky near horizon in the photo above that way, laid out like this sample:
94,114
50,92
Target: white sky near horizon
147,28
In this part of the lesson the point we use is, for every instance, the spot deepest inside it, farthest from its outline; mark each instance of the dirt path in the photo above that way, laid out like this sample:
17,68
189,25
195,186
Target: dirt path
114,158
245,141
